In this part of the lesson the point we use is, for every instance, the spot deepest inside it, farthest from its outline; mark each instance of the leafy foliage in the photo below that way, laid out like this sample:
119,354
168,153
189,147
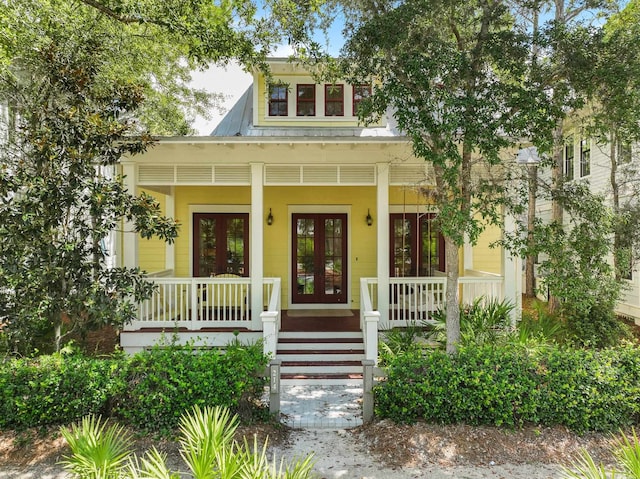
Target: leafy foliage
150,390
584,390
170,379
455,75
57,389
60,196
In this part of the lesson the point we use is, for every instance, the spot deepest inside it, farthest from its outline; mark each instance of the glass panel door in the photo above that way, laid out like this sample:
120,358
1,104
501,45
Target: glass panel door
220,244
319,272
417,247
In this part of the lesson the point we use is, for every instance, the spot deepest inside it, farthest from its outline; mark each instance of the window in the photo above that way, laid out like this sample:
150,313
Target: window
220,244
306,95
278,100
334,100
568,159
623,152
360,92
417,247
625,263
585,157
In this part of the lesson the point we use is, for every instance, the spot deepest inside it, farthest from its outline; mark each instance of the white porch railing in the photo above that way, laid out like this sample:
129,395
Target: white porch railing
196,303
415,299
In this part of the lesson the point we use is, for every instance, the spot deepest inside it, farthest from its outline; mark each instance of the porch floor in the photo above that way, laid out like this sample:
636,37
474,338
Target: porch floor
320,323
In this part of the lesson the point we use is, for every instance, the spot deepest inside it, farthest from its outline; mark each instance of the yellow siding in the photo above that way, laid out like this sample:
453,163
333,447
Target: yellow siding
277,237
400,195
151,252
486,258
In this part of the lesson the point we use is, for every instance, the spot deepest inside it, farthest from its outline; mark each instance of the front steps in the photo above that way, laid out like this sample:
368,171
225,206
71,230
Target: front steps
328,358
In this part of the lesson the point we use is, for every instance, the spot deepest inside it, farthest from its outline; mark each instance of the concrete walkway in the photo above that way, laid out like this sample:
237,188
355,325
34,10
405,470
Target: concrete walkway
317,406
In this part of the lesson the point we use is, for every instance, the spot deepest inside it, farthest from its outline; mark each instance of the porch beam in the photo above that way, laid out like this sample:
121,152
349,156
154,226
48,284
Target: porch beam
256,245
382,242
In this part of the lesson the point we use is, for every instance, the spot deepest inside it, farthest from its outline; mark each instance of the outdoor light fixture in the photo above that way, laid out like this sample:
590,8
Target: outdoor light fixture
270,218
369,218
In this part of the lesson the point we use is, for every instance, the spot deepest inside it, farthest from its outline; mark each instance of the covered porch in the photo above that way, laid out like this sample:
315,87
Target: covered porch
209,312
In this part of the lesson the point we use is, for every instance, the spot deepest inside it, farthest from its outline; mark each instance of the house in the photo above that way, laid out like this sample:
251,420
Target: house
585,159
294,214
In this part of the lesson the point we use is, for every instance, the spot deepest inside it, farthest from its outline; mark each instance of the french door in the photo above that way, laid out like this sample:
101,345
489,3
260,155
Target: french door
220,244
417,247
319,262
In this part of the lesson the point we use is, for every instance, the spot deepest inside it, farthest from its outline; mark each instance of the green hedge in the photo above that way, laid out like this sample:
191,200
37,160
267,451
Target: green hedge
581,389
165,382
149,390
56,389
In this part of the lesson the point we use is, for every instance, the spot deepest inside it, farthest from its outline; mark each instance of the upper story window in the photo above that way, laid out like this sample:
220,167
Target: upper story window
585,157
306,96
568,159
334,100
278,100
360,92
624,152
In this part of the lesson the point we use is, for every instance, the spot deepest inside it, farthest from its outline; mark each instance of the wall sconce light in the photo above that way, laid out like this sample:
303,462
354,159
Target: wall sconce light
270,218
369,218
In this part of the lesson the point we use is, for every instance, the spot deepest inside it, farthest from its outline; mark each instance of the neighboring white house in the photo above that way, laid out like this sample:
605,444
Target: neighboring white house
585,159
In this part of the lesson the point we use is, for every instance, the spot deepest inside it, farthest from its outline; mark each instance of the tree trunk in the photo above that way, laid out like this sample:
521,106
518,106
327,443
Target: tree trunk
530,280
453,306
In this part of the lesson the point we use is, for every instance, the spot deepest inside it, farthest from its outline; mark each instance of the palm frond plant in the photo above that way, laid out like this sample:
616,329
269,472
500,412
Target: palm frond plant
153,465
207,445
585,468
98,450
205,432
483,322
627,451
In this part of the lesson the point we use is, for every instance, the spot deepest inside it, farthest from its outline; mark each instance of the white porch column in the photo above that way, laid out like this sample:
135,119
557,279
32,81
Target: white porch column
512,274
129,236
467,252
256,246
170,250
382,242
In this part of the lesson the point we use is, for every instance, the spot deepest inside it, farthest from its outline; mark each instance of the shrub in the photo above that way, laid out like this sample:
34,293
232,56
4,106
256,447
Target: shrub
597,327
166,381
477,386
509,385
56,389
589,390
